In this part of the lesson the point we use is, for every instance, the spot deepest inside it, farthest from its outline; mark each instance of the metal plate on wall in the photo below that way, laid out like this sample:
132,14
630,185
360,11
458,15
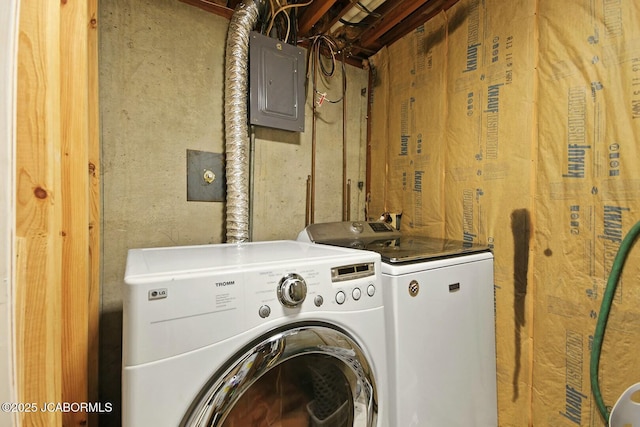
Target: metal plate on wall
205,176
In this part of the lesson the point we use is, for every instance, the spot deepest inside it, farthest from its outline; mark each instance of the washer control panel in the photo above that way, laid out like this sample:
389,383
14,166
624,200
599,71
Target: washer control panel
304,289
352,271
356,230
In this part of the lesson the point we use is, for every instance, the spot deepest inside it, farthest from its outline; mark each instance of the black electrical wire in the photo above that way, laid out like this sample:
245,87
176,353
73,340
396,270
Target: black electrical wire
366,10
315,62
331,47
352,24
293,18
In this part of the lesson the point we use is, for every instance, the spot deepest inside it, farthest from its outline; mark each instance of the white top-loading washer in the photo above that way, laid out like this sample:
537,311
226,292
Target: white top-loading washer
439,301
203,324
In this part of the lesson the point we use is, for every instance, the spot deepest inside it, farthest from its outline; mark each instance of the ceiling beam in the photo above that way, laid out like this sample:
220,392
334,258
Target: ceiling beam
211,6
401,10
392,20
344,7
312,14
419,17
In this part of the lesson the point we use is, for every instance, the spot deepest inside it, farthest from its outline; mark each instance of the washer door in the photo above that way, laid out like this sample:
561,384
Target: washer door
317,371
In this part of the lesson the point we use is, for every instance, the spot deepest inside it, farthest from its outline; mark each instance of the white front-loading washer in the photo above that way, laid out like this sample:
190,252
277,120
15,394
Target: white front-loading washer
255,334
439,303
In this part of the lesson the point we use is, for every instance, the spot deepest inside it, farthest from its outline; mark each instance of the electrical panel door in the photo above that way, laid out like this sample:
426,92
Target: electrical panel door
276,83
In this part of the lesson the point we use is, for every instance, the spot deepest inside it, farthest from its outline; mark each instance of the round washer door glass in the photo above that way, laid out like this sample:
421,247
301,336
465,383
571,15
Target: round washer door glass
306,375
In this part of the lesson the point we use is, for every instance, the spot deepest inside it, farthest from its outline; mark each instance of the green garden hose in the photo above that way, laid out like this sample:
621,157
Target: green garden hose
601,324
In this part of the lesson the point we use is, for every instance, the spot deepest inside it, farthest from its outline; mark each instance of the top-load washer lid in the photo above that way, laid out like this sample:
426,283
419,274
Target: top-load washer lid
418,248
392,246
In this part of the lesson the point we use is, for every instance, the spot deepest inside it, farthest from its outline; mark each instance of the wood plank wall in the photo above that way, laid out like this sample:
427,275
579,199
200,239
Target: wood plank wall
57,209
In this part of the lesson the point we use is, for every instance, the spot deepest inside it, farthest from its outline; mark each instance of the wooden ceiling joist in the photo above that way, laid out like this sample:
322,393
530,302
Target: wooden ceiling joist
419,17
390,21
386,22
312,14
211,6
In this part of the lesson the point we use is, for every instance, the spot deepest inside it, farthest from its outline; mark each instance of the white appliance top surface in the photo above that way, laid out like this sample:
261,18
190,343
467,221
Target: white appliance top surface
154,261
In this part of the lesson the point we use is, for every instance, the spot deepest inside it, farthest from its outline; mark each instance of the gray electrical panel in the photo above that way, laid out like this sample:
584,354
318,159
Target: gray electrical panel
277,72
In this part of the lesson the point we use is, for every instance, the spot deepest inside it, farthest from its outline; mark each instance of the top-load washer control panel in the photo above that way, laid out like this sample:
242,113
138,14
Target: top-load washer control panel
353,230
198,288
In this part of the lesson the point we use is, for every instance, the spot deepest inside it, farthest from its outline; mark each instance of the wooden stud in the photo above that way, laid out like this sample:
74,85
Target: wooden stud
94,209
74,159
57,210
38,212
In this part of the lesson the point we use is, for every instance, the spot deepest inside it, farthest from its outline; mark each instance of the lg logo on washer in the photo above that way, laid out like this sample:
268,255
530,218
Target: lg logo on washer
155,294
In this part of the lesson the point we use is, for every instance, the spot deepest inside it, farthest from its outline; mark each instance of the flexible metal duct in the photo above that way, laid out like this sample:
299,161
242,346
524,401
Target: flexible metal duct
235,118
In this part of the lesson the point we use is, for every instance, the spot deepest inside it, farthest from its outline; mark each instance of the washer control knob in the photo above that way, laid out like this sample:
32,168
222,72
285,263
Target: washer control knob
341,297
264,311
356,294
371,290
292,290
357,227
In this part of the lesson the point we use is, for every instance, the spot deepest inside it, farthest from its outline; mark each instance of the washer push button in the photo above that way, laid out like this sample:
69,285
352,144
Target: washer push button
264,311
341,297
371,290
